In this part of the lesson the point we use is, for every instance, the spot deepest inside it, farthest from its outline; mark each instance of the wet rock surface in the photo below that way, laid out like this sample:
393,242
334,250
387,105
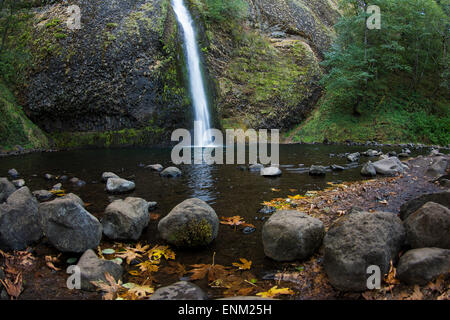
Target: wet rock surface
181,290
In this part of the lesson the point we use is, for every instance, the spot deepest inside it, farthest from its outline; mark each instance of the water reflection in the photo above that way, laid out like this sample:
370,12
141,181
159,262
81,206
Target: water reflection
201,181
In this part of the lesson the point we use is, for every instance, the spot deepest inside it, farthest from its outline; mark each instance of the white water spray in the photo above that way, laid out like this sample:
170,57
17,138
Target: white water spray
196,84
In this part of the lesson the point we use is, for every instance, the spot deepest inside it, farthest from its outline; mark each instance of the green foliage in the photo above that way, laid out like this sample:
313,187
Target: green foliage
222,10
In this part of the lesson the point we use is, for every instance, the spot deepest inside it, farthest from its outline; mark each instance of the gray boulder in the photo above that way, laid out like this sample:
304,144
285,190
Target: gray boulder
357,241
191,223
411,206
74,197
93,269
6,189
68,226
19,225
43,195
429,227
19,183
438,167
171,172
317,170
292,235
353,157
368,170
119,185
155,167
420,266
390,166
271,172
107,175
181,290
13,173
125,219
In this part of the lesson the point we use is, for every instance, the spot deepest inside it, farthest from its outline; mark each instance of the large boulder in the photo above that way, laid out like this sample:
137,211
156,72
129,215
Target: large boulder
438,167
19,225
75,198
292,235
413,205
429,226
181,290
390,166
68,226
119,185
6,189
191,223
171,172
125,219
420,266
357,241
271,172
93,269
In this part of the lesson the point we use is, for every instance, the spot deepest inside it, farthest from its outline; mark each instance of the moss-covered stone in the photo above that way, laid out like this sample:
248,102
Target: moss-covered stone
195,233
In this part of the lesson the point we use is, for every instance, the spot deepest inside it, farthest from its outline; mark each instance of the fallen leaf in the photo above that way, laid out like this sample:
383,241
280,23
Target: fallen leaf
274,291
244,265
110,287
14,288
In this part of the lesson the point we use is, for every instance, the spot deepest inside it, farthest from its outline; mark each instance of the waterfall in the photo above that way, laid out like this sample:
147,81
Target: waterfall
196,83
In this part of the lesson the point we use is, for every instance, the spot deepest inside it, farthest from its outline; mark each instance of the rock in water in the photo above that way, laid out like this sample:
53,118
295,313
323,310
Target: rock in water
317,170
155,167
13,173
336,167
119,185
43,195
181,290
68,226
19,225
93,269
390,166
420,266
256,167
191,223
6,189
107,175
125,219
171,172
18,183
411,206
291,235
354,157
271,172
429,227
368,170
438,167
358,240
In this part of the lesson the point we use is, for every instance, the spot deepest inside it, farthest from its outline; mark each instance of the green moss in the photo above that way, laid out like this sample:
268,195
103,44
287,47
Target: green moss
194,233
59,35
52,23
111,25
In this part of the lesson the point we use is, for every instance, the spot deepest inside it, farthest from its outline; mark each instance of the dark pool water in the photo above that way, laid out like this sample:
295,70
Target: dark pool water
227,189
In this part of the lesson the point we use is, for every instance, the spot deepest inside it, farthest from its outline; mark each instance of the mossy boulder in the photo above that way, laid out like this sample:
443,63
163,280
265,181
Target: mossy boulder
191,223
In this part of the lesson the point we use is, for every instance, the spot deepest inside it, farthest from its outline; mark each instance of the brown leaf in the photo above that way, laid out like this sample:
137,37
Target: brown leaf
13,288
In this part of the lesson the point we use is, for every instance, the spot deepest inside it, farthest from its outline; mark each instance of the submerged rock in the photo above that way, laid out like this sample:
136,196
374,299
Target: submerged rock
191,223
413,205
171,172
68,226
271,172
420,266
93,269
429,226
119,185
125,219
291,235
6,189
358,240
19,225
181,290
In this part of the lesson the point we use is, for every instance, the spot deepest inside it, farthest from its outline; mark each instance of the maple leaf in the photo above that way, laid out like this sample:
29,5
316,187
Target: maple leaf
274,291
14,288
175,268
49,261
148,266
129,254
235,221
110,287
141,291
245,265
157,252
390,277
213,271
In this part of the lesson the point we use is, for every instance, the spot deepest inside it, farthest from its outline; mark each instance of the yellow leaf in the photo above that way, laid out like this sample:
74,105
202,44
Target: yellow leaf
245,265
274,291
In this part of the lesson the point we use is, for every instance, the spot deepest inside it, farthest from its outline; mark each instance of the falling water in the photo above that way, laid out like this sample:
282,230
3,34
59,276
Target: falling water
196,83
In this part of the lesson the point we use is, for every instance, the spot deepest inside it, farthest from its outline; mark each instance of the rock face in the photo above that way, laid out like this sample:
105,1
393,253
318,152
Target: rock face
429,227
271,172
125,219
107,175
368,170
317,170
93,269
291,235
390,166
413,205
358,240
420,266
116,79
119,185
68,226
181,290
191,223
6,189
19,225
171,172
